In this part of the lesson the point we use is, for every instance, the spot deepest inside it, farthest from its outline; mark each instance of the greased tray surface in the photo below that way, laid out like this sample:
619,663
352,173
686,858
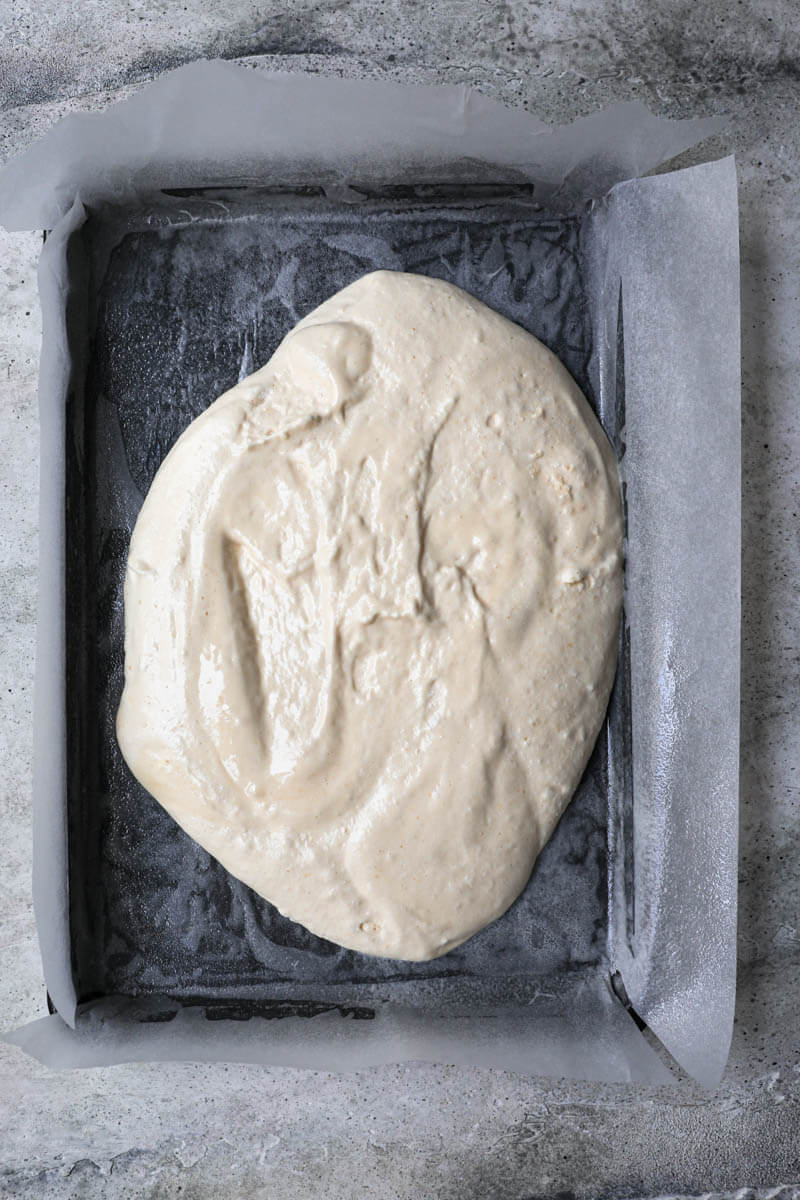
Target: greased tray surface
184,297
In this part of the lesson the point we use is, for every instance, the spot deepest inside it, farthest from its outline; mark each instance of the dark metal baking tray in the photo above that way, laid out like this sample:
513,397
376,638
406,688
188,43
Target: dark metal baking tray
173,302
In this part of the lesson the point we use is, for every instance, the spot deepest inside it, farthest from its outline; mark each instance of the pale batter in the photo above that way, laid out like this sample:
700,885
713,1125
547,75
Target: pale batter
371,609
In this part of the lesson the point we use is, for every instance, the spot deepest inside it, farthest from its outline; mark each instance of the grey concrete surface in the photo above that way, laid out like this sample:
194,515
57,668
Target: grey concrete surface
414,1131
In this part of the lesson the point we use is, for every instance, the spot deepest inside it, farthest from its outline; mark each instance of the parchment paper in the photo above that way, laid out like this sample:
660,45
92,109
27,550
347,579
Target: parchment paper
213,123
665,776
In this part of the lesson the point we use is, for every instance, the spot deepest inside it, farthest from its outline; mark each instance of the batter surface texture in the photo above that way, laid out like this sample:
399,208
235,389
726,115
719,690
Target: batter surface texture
371,608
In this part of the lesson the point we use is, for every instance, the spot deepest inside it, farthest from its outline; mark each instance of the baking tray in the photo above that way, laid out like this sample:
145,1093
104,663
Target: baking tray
656,260
184,295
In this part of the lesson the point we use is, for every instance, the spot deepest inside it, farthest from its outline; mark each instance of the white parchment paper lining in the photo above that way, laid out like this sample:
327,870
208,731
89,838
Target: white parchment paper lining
670,243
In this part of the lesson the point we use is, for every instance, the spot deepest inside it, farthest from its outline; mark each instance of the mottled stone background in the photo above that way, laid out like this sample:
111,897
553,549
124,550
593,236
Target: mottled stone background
422,1131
